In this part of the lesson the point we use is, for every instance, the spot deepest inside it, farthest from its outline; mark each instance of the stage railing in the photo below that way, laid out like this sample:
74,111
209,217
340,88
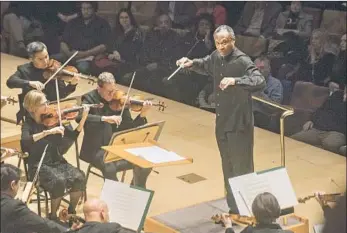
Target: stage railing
287,111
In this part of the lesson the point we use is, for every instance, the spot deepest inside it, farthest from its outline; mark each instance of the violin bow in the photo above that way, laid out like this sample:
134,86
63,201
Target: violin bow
127,97
60,68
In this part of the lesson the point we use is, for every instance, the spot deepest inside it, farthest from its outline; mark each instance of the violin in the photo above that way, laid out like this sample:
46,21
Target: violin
65,217
135,102
67,73
68,113
16,153
331,197
238,219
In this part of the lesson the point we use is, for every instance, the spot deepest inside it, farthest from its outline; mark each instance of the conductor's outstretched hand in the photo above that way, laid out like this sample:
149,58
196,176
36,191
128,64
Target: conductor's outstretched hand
184,62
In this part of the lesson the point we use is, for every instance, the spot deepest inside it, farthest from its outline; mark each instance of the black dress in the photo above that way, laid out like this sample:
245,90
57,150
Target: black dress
56,174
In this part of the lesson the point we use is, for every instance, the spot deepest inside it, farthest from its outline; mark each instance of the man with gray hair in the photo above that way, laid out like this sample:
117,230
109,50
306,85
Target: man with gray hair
30,76
235,78
102,123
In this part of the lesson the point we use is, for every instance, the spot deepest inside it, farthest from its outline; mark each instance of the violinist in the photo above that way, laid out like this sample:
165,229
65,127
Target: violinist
266,210
30,76
97,218
102,123
15,215
56,174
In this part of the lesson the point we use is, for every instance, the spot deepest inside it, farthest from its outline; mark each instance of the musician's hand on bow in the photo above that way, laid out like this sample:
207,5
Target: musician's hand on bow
85,111
226,82
184,62
37,85
226,220
56,130
112,119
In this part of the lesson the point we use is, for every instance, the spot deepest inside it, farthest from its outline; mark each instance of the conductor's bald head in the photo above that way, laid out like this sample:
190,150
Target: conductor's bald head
96,210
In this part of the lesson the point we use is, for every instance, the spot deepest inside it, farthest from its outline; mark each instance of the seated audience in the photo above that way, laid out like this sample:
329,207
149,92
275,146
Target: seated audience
317,63
56,175
337,78
180,13
125,45
15,214
197,43
96,214
218,12
88,34
100,126
19,27
158,57
327,127
266,210
296,21
258,19
272,92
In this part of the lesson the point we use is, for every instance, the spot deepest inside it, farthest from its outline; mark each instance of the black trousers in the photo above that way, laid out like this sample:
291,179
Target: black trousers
110,170
236,150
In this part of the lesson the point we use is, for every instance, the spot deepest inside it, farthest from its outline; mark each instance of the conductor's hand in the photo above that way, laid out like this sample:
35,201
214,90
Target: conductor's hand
226,220
37,85
184,62
226,82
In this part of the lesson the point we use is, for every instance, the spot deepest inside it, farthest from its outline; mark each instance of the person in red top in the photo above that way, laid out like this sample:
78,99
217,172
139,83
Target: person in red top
218,11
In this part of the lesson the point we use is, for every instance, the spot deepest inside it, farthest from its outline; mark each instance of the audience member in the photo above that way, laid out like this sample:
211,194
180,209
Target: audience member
180,13
160,50
263,114
97,218
218,12
295,20
338,77
124,48
197,43
258,19
266,210
327,127
15,214
88,34
317,63
19,28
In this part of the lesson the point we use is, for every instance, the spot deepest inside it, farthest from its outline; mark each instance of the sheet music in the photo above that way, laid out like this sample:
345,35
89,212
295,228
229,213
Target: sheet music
127,205
250,185
155,154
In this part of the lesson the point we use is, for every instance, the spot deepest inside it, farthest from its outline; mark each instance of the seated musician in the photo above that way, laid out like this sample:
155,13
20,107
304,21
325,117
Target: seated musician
29,76
56,174
15,215
266,210
96,215
102,123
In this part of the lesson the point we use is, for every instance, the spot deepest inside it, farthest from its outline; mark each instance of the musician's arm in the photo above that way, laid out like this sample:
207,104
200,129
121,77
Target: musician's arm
31,221
65,90
27,138
16,81
95,118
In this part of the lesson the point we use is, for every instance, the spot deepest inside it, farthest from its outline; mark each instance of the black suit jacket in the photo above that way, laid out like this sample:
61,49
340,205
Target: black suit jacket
98,133
261,228
97,227
16,217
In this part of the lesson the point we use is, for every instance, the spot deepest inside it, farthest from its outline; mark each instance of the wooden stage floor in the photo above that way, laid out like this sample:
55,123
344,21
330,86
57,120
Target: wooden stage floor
190,132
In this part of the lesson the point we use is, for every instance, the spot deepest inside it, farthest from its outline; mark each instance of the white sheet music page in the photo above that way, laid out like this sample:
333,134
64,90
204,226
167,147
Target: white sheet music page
127,205
155,154
281,187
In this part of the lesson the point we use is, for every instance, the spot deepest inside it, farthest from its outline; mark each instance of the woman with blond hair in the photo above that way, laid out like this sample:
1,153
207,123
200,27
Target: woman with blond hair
56,174
318,62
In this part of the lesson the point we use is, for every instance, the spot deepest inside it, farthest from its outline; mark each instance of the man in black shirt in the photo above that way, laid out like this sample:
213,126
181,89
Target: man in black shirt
100,126
235,78
16,217
89,34
327,127
97,218
30,76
